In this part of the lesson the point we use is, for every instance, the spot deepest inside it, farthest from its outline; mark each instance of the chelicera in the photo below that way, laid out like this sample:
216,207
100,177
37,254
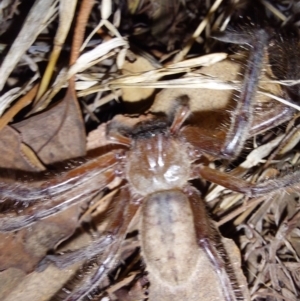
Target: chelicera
155,161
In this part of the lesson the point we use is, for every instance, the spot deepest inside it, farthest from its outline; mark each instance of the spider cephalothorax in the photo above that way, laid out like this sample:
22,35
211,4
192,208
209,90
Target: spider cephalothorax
157,159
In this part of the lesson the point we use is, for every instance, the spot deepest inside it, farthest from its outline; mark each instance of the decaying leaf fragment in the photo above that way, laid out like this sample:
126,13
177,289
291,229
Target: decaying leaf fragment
56,134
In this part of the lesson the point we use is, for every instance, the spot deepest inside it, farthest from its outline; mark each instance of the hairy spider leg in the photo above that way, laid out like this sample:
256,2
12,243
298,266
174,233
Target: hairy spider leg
206,235
290,140
57,184
125,208
212,144
181,114
288,182
241,118
273,116
52,197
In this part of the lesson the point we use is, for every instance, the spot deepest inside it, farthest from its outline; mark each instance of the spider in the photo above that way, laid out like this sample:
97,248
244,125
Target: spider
155,160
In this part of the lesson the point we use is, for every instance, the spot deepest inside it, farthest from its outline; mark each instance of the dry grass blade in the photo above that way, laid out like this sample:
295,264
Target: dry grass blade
66,14
282,100
38,17
23,102
7,98
85,61
95,55
181,55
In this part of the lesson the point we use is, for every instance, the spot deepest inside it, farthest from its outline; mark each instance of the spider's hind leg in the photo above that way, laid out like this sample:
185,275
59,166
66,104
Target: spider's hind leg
106,249
209,241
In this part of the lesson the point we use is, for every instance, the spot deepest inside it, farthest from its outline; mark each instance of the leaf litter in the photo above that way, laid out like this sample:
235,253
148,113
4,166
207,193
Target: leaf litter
93,78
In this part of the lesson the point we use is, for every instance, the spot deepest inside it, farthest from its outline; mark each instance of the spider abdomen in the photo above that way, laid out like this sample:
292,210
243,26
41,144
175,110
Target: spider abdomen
157,163
177,268
168,237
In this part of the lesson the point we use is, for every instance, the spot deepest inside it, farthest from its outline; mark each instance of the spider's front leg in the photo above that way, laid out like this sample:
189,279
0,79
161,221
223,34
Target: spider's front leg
229,145
31,191
242,116
55,195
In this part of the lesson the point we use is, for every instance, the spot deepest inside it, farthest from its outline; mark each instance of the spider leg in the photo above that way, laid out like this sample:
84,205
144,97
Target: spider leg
241,118
207,240
273,116
91,250
125,209
78,189
56,204
69,258
211,143
32,191
182,112
242,123
288,182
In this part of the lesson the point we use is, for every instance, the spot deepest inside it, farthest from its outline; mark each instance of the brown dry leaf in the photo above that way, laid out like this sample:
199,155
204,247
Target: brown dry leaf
17,107
22,251
210,106
203,101
15,154
295,240
40,286
9,280
25,248
136,292
57,134
131,94
97,138
270,247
